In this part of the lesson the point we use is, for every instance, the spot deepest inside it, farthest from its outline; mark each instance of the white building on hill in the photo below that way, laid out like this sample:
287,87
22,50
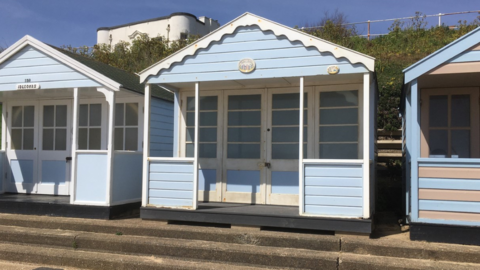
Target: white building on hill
173,27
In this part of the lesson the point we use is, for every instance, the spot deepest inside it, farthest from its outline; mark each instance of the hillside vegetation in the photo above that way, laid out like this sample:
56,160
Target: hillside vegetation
406,43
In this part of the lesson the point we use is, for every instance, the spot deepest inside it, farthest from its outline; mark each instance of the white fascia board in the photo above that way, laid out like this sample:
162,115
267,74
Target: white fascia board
64,59
248,19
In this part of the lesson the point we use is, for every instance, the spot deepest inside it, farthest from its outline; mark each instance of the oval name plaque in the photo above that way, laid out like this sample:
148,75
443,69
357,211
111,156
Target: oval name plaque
246,65
333,70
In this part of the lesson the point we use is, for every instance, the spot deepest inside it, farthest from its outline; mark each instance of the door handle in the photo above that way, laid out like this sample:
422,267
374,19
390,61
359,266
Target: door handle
268,165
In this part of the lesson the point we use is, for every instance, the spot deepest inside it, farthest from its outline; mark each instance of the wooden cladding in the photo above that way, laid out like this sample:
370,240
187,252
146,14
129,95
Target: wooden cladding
455,173
449,195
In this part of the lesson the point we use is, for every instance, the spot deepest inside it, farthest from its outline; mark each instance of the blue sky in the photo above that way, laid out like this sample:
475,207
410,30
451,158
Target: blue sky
67,22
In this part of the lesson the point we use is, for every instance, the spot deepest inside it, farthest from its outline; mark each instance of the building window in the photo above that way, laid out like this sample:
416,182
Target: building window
207,129
90,127
126,126
338,125
54,135
23,119
449,124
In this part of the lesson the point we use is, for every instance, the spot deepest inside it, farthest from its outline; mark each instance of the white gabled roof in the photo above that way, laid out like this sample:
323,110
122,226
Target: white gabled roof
62,58
248,19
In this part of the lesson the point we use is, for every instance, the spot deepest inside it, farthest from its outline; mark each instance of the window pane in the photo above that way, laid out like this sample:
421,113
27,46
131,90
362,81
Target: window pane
47,139
131,139
48,116
282,118
285,151
28,139
206,103
83,115
95,115
438,111
207,150
94,138
60,139
118,139
339,98
287,101
61,116
206,119
339,134
17,139
338,116
243,151
460,111
82,138
461,143
287,134
131,114
17,115
207,134
28,116
119,113
438,143
244,102
339,151
189,150
243,134
244,118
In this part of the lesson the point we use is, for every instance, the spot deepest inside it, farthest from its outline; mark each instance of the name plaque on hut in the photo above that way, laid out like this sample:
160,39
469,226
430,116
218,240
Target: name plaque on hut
246,65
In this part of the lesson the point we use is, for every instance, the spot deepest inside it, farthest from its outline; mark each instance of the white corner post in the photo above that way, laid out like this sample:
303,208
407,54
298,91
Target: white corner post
4,147
301,194
73,168
195,155
110,97
366,145
414,138
146,145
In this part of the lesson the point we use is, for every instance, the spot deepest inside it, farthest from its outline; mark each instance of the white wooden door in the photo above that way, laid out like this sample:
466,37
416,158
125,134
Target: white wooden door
22,147
244,145
54,147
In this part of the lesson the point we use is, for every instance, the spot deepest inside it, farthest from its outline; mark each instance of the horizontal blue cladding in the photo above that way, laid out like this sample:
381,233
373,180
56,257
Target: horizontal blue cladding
449,162
458,184
169,176
274,57
22,171
170,202
161,128
285,183
127,177
334,191
333,171
468,56
171,194
91,181
449,206
333,181
243,181
171,185
334,210
40,68
333,201
449,222
207,179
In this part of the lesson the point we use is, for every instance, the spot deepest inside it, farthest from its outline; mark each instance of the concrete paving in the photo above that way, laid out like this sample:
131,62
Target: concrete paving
7,265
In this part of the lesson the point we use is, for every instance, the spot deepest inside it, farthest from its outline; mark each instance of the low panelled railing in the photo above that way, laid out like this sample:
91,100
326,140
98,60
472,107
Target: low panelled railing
127,177
171,182
91,177
448,191
333,188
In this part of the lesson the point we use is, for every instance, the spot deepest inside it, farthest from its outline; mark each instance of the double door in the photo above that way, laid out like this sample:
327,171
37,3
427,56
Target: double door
39,147
254,142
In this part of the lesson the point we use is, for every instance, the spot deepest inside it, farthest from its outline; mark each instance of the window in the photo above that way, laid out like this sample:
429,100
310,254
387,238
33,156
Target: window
54,134
207,130
126,126
285,117
449,123
338,125
90,127
23,118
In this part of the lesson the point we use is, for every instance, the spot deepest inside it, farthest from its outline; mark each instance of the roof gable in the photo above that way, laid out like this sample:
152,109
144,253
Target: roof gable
265,25
443,55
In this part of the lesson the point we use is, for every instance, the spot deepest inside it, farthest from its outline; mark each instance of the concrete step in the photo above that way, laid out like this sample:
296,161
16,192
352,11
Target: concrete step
413,250
186,249
140,227
362,262
70,258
